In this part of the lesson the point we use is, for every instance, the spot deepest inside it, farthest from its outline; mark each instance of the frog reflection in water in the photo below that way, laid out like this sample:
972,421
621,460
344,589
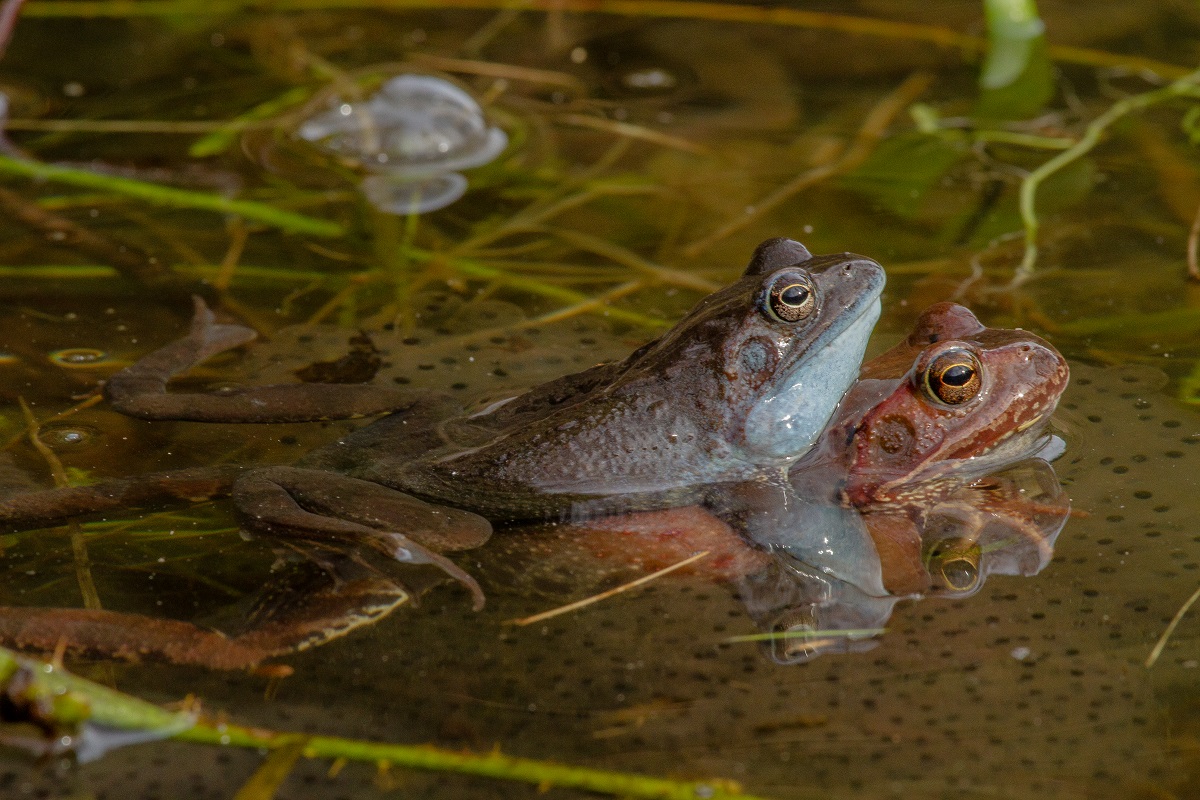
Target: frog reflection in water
1018,376
954,400
746,381
906,489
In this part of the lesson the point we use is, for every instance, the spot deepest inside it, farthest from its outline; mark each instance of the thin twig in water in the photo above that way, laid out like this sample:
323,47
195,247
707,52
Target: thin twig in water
491,69
1193,245
873,128
631,131
83,564
1162,640
587,601
820,636
626,257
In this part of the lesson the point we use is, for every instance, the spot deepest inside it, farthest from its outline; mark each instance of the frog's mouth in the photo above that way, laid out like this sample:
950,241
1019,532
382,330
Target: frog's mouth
784,424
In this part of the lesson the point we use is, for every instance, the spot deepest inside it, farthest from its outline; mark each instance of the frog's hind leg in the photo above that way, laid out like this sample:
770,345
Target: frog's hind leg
323,507
24,510
140,390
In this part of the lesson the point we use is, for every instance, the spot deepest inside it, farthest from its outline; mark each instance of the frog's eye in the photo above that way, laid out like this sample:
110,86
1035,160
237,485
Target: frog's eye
790,296
953,563
953,377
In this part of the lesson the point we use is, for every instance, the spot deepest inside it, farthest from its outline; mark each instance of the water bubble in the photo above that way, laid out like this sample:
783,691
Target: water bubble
398,196
79,357
412,135
67,437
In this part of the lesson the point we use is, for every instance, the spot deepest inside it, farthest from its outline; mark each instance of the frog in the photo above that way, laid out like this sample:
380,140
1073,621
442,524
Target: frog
953,401
980,399
907,562
747,380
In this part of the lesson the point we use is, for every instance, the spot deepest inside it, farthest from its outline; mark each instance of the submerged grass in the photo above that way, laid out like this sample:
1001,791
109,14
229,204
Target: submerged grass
68,705
158,194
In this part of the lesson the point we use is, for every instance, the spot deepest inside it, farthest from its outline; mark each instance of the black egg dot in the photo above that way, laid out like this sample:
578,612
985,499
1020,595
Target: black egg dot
1174,454
1093,418
1171,423
1142,495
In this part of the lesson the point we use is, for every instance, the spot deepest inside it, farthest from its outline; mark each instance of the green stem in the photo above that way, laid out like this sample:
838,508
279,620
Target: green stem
1185,86
86,701
170,196
475,269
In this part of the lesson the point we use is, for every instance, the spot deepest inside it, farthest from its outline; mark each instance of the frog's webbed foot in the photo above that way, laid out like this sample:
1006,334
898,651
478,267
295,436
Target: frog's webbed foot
140,390
324,507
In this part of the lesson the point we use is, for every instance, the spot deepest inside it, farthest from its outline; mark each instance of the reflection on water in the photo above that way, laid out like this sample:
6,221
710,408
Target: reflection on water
633,141
1003,524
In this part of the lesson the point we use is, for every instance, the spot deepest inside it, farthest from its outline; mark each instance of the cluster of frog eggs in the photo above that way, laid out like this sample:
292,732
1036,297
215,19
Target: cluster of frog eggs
411,137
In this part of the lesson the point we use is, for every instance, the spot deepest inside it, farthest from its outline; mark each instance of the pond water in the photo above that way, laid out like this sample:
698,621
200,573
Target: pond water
647,155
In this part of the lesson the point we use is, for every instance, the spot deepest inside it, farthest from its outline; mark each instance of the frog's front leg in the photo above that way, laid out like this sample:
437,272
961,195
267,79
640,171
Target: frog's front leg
140,390
323,507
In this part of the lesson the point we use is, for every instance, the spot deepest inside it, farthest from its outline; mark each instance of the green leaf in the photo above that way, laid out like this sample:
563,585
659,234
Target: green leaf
1017,78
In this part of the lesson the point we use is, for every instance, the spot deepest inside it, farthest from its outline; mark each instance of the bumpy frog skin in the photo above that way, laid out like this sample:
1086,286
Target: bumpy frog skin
746,381
735,387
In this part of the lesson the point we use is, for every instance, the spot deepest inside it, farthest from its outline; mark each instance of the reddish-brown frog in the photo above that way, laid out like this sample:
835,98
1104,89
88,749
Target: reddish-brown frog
953,401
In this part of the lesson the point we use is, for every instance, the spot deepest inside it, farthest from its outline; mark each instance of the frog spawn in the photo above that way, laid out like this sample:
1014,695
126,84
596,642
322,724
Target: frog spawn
411,138
479,350
1043,673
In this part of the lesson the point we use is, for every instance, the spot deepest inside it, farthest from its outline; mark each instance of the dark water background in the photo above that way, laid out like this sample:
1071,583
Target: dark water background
1035,687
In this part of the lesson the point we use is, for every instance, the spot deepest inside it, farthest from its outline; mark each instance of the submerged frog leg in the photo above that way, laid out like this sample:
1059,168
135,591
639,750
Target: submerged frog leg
320,507
305,607
140,390
46,507
125,637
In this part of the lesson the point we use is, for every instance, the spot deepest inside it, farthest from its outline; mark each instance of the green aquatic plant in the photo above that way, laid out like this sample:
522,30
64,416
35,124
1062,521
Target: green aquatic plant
170,196
71,710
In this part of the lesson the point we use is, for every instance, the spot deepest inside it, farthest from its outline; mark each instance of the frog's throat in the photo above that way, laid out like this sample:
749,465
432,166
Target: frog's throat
786,424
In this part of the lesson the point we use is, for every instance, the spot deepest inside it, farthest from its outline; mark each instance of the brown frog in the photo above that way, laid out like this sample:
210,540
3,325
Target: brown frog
359,596
746,381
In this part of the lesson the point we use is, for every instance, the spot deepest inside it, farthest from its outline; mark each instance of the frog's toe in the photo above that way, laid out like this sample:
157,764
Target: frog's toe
405,549
211,337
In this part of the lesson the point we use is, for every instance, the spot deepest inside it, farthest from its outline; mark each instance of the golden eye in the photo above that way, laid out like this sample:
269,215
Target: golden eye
953,377
790,296
954,563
